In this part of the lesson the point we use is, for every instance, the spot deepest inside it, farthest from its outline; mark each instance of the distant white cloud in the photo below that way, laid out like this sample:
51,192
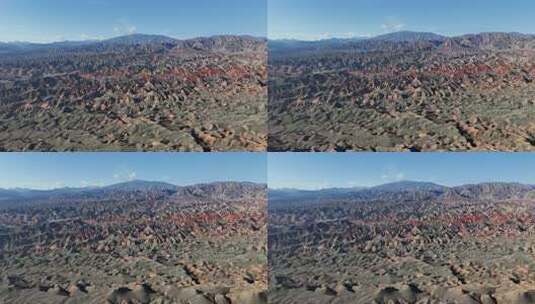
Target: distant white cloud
125,175
392,24
390,27
392,175
124,27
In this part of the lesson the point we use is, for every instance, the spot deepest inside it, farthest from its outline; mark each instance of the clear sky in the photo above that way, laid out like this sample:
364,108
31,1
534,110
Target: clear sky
56,170
319,19
326,170
58,20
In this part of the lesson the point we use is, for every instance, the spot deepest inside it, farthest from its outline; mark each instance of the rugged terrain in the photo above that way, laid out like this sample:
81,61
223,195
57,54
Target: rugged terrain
406,242
138,92
404,91
137,242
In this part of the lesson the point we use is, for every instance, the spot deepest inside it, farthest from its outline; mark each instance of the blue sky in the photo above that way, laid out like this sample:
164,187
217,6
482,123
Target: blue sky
326,170
58,20
319,19
56,170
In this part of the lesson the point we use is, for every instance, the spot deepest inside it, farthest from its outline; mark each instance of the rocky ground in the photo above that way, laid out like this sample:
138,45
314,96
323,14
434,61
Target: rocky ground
199,244
446,248
136,94
473,92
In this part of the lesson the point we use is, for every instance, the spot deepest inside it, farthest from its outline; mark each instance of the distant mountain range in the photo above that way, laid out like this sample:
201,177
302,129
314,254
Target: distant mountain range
236,190
228,43
138,39
411,190
217,190
409,36
481,40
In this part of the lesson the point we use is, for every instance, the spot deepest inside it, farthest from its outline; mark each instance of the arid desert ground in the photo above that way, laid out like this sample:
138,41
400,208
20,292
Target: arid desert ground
403,91
407,242
136,242
134,93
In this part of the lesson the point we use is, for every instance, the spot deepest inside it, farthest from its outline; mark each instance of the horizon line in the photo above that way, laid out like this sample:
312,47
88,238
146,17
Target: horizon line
131,181
364,36
133,34
396,182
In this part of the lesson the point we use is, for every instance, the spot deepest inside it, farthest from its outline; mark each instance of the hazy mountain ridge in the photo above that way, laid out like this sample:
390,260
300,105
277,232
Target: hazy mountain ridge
294,45
484,40
216,190
412,190
139,185
221,43
409,36
138,39
275,194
